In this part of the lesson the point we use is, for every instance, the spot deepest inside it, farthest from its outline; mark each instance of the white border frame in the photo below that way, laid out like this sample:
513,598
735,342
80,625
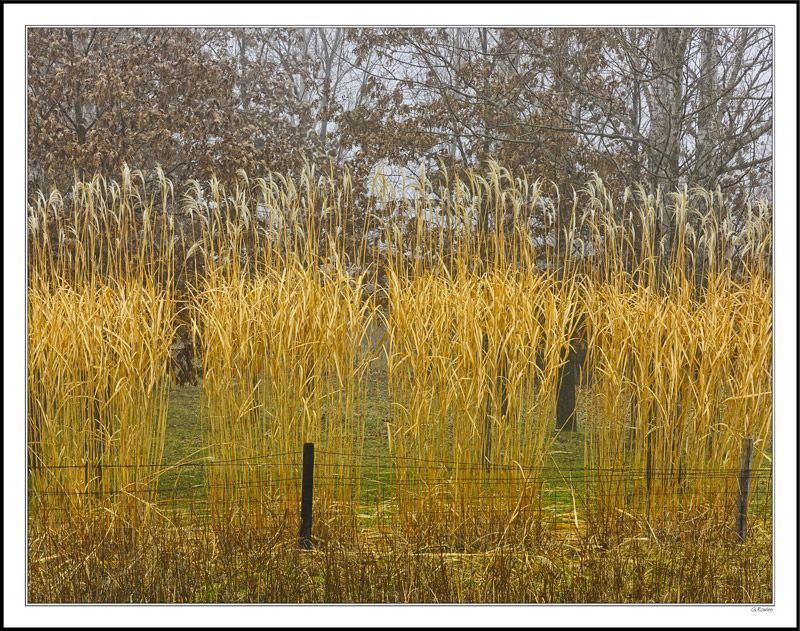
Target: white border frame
782,16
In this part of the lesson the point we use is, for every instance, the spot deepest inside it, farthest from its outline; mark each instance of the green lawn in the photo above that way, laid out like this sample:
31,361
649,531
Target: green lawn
185,442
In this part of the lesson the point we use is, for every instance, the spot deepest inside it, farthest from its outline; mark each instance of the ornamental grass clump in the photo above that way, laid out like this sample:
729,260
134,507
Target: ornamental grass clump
490,289
98,389
101,320
476,339
283,333
680,347
472,364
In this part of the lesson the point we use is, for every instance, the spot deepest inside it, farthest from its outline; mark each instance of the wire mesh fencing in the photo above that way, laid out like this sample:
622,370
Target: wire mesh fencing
373,496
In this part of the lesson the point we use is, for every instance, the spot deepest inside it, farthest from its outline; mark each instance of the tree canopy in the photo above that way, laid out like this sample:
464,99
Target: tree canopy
662,107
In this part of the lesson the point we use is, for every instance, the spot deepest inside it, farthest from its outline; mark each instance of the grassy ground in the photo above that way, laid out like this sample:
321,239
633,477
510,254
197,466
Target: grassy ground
185,441
192,562
197,565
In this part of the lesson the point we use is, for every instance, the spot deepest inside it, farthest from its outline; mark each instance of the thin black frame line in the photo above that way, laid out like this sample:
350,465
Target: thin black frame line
617,4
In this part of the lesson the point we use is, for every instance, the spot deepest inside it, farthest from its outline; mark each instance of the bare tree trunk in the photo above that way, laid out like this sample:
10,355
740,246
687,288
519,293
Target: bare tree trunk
666,107
330,50
565,397
707,131
665,101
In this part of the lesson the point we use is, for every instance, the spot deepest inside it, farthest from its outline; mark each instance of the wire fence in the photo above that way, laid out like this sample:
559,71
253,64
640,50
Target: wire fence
380,494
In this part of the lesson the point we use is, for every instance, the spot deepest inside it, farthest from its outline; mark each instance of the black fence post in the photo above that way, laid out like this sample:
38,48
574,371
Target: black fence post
744,488
307,496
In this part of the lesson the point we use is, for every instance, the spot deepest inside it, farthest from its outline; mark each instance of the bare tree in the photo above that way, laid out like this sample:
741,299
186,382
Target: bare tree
661,107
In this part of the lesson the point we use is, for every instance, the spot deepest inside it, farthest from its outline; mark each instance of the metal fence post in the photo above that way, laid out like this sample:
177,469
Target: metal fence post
744,488
307,496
